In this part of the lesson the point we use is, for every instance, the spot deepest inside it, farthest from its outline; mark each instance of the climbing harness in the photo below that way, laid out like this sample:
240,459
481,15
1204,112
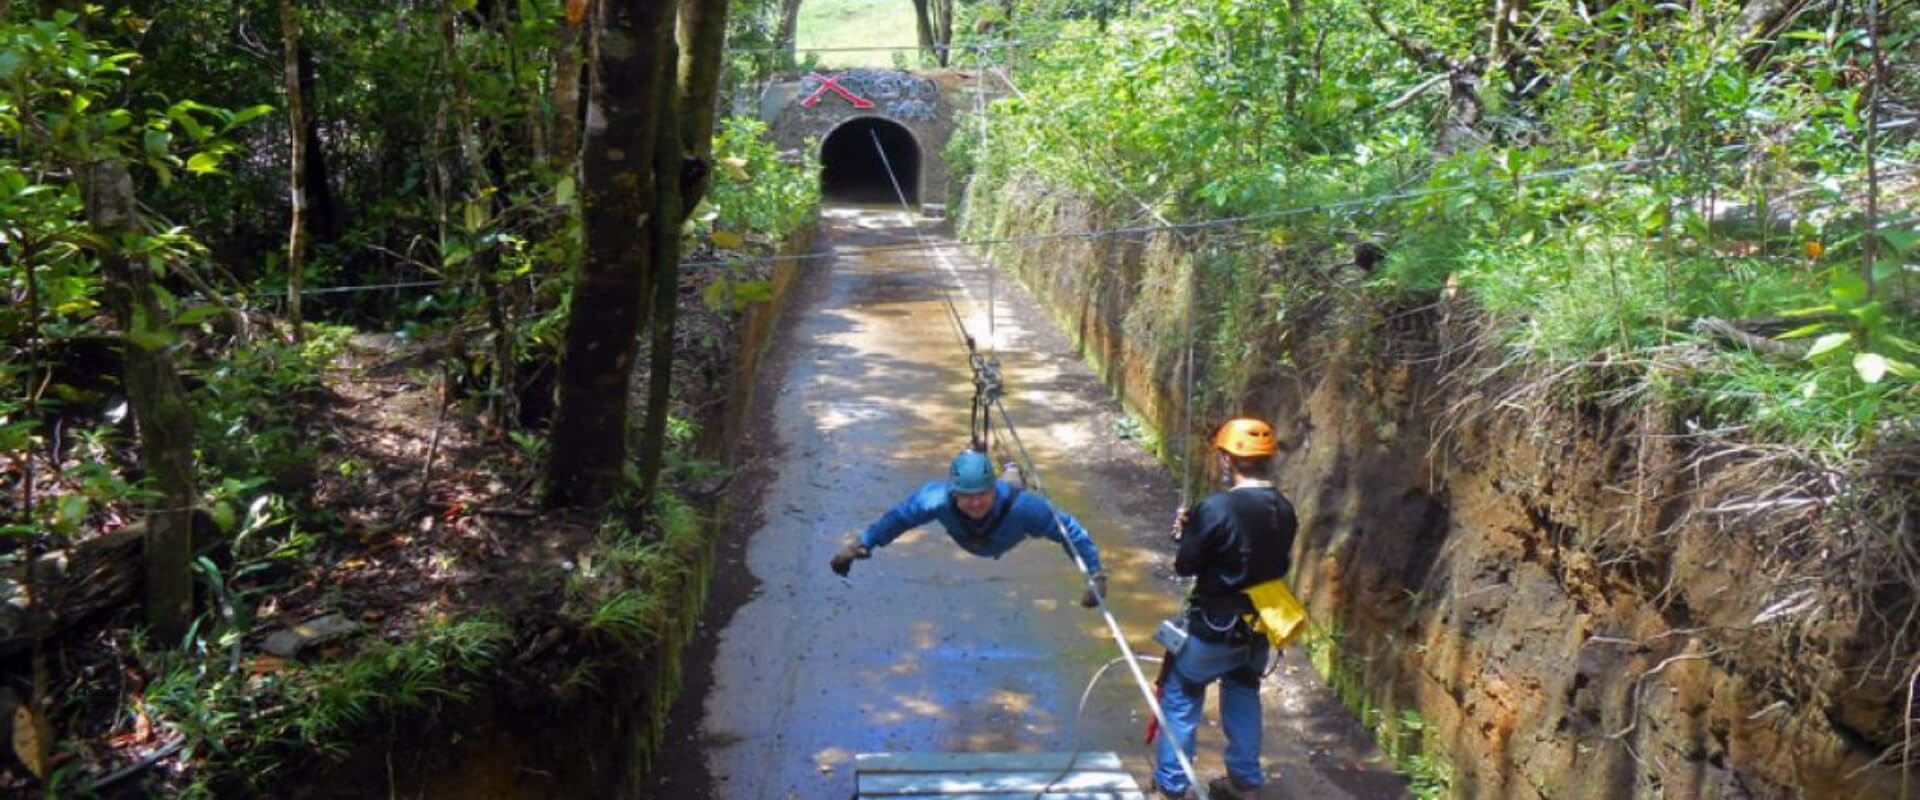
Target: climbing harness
987,389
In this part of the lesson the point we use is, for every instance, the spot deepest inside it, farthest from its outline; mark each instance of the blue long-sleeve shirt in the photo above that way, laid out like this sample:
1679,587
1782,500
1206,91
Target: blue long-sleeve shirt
1016,517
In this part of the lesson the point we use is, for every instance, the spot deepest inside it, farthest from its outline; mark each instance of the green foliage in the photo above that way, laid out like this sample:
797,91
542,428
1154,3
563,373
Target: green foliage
60,110
758,199
755,190
242,724
629,586
1591,216
247,428
1402,737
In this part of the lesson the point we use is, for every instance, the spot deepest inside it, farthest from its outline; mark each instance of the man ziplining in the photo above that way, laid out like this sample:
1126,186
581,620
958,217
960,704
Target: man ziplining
985,516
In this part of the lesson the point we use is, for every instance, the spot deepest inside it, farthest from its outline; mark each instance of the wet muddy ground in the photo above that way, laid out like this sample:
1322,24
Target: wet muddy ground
925,648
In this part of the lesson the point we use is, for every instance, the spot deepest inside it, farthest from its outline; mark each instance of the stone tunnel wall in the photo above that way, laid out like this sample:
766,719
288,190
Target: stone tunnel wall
1514,573
928,104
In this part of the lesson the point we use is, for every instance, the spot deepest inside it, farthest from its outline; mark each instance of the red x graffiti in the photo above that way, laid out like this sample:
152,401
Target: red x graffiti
833,82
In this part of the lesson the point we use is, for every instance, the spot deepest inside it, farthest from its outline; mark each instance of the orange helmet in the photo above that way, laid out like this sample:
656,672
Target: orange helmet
1246,437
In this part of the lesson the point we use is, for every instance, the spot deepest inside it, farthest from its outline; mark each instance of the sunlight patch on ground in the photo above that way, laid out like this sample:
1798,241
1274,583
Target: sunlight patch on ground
922,706
833,416
1013,702
830,757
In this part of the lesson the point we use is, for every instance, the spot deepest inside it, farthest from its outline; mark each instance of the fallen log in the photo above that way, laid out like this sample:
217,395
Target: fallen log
1731,333
74,583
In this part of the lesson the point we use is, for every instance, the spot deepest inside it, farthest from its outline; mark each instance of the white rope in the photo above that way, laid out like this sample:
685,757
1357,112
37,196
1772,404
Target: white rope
1100,600
1113,625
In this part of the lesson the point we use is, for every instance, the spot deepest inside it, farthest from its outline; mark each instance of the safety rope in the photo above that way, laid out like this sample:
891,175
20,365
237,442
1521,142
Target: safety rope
980,113
1186,455
1030,473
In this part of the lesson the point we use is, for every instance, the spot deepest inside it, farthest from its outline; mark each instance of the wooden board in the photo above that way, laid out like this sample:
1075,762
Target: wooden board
994,776
990,762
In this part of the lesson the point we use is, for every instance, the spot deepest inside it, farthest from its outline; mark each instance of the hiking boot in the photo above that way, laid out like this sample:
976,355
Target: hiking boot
1165,793
1230,788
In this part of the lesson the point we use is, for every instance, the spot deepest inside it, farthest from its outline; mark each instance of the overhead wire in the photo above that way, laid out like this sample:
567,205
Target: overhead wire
1128,230
951,47
1030,469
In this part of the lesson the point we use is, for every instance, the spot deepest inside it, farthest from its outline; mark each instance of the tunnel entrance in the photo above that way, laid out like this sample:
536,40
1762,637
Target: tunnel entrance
852,171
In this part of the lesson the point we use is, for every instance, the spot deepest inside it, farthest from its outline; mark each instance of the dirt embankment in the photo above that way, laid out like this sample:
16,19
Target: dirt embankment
1579,599
569,709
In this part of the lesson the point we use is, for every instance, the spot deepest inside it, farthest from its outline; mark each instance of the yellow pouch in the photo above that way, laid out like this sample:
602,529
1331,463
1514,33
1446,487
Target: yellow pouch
1280,615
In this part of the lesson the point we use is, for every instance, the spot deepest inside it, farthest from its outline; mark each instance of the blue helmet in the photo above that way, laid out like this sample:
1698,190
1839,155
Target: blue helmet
972,472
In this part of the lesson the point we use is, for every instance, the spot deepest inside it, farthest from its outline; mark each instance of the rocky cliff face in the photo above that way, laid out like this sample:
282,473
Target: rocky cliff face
1581,598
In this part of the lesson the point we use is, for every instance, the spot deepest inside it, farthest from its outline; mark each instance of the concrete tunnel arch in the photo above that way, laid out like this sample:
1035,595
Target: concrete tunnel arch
852,170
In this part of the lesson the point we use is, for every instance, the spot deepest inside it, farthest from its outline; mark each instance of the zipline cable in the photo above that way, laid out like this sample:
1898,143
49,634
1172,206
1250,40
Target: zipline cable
995,401
985,368
926,246
980,112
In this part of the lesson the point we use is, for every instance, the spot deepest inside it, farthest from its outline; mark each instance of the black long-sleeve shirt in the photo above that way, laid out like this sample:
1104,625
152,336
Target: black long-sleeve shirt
1235,539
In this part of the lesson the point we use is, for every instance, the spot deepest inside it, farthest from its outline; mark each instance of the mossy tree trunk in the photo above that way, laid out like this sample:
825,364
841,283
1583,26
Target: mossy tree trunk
785,37
681,164
628,45
160,410
649,125
566,86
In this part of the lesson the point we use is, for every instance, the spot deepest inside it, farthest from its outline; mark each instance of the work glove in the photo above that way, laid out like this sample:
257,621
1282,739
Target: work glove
1095,592
843,560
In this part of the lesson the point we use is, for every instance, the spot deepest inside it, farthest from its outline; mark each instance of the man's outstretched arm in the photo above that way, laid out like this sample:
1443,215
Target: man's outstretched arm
918,509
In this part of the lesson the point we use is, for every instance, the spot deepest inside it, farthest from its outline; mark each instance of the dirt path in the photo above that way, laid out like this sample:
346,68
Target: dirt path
925,648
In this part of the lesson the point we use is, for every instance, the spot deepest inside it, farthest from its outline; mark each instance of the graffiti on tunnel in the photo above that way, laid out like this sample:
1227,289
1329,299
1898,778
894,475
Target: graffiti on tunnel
896,94
852,169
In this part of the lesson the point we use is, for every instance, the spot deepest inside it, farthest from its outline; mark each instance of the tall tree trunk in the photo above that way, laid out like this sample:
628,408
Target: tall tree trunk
667,214
784,36
943,31
297,142
923,25
680,164
629,43
702,35
324,220
566,86
158,399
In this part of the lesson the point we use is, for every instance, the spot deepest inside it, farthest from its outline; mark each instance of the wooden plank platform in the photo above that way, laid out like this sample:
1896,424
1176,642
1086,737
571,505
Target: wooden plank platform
994,776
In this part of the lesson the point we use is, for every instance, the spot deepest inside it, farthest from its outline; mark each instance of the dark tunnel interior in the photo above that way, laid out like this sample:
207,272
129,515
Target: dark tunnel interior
852,171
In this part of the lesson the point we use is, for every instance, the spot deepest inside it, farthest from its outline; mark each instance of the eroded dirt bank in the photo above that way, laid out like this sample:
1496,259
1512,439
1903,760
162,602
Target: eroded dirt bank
1579,600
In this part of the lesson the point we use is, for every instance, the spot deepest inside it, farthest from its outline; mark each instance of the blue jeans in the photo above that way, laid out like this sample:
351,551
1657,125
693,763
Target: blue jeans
1238,669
